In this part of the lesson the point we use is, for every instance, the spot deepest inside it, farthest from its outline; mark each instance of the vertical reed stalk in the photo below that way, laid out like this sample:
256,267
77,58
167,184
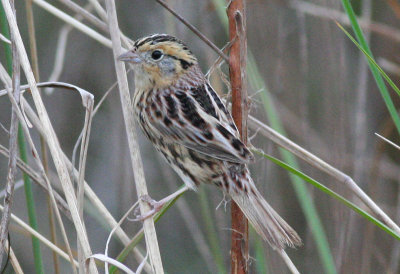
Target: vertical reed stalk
237,73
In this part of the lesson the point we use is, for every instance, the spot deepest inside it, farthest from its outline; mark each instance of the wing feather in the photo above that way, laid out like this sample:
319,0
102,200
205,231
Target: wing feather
198,120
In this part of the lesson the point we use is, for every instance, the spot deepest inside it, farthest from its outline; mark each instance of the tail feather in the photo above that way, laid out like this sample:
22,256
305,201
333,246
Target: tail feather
265,220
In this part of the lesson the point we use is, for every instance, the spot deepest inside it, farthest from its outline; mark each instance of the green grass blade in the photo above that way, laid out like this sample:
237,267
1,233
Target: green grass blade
331,193
372,65
30,202
306,203
371,60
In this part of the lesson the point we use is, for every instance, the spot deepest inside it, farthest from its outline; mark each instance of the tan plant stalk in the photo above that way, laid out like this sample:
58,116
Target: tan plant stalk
136,161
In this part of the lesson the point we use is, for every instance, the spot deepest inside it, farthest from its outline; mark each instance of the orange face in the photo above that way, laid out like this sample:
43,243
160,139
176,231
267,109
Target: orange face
159,60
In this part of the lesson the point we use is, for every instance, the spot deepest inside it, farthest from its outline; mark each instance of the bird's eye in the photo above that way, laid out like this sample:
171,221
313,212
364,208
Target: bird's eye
156,55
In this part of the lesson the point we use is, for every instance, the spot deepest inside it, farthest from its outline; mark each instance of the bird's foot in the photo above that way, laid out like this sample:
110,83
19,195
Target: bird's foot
155,206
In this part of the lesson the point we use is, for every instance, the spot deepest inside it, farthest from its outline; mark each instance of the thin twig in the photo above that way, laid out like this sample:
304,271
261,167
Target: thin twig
195,30
85,14
388,141
136,161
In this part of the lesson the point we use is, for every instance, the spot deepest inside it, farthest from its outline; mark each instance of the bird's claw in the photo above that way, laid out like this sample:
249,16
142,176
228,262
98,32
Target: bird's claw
154,205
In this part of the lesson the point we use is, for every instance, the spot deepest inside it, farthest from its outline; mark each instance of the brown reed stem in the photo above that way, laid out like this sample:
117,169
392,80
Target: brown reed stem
237,73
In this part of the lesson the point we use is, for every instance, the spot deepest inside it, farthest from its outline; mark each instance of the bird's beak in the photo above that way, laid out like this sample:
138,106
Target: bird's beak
131,57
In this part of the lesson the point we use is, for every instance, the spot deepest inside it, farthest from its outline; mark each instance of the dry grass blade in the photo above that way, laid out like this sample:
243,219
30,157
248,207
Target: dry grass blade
45,241
115,228
12,160
107,260
62,205
99,9
137,166
13,259
97,203
52,140
388,141
85,14
43,173
61,49
103,15
70,20
82,162
288,262
80,26
59,56
325,167
2,38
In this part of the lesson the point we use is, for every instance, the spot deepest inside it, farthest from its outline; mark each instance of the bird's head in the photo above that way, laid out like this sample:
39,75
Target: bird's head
159,60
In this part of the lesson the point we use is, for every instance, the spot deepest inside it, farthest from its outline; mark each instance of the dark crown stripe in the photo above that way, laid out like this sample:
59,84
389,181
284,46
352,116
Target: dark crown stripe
142,41
159,38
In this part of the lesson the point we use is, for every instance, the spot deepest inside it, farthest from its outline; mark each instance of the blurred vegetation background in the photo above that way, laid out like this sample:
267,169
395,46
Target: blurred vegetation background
322,91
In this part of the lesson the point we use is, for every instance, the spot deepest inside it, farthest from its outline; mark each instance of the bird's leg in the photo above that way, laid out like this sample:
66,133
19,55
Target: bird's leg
158,205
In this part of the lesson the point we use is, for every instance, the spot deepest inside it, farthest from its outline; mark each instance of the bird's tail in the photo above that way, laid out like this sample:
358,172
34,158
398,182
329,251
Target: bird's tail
265,220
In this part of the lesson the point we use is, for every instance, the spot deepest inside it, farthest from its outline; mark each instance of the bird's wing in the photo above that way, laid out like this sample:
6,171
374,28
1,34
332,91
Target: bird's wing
197,119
